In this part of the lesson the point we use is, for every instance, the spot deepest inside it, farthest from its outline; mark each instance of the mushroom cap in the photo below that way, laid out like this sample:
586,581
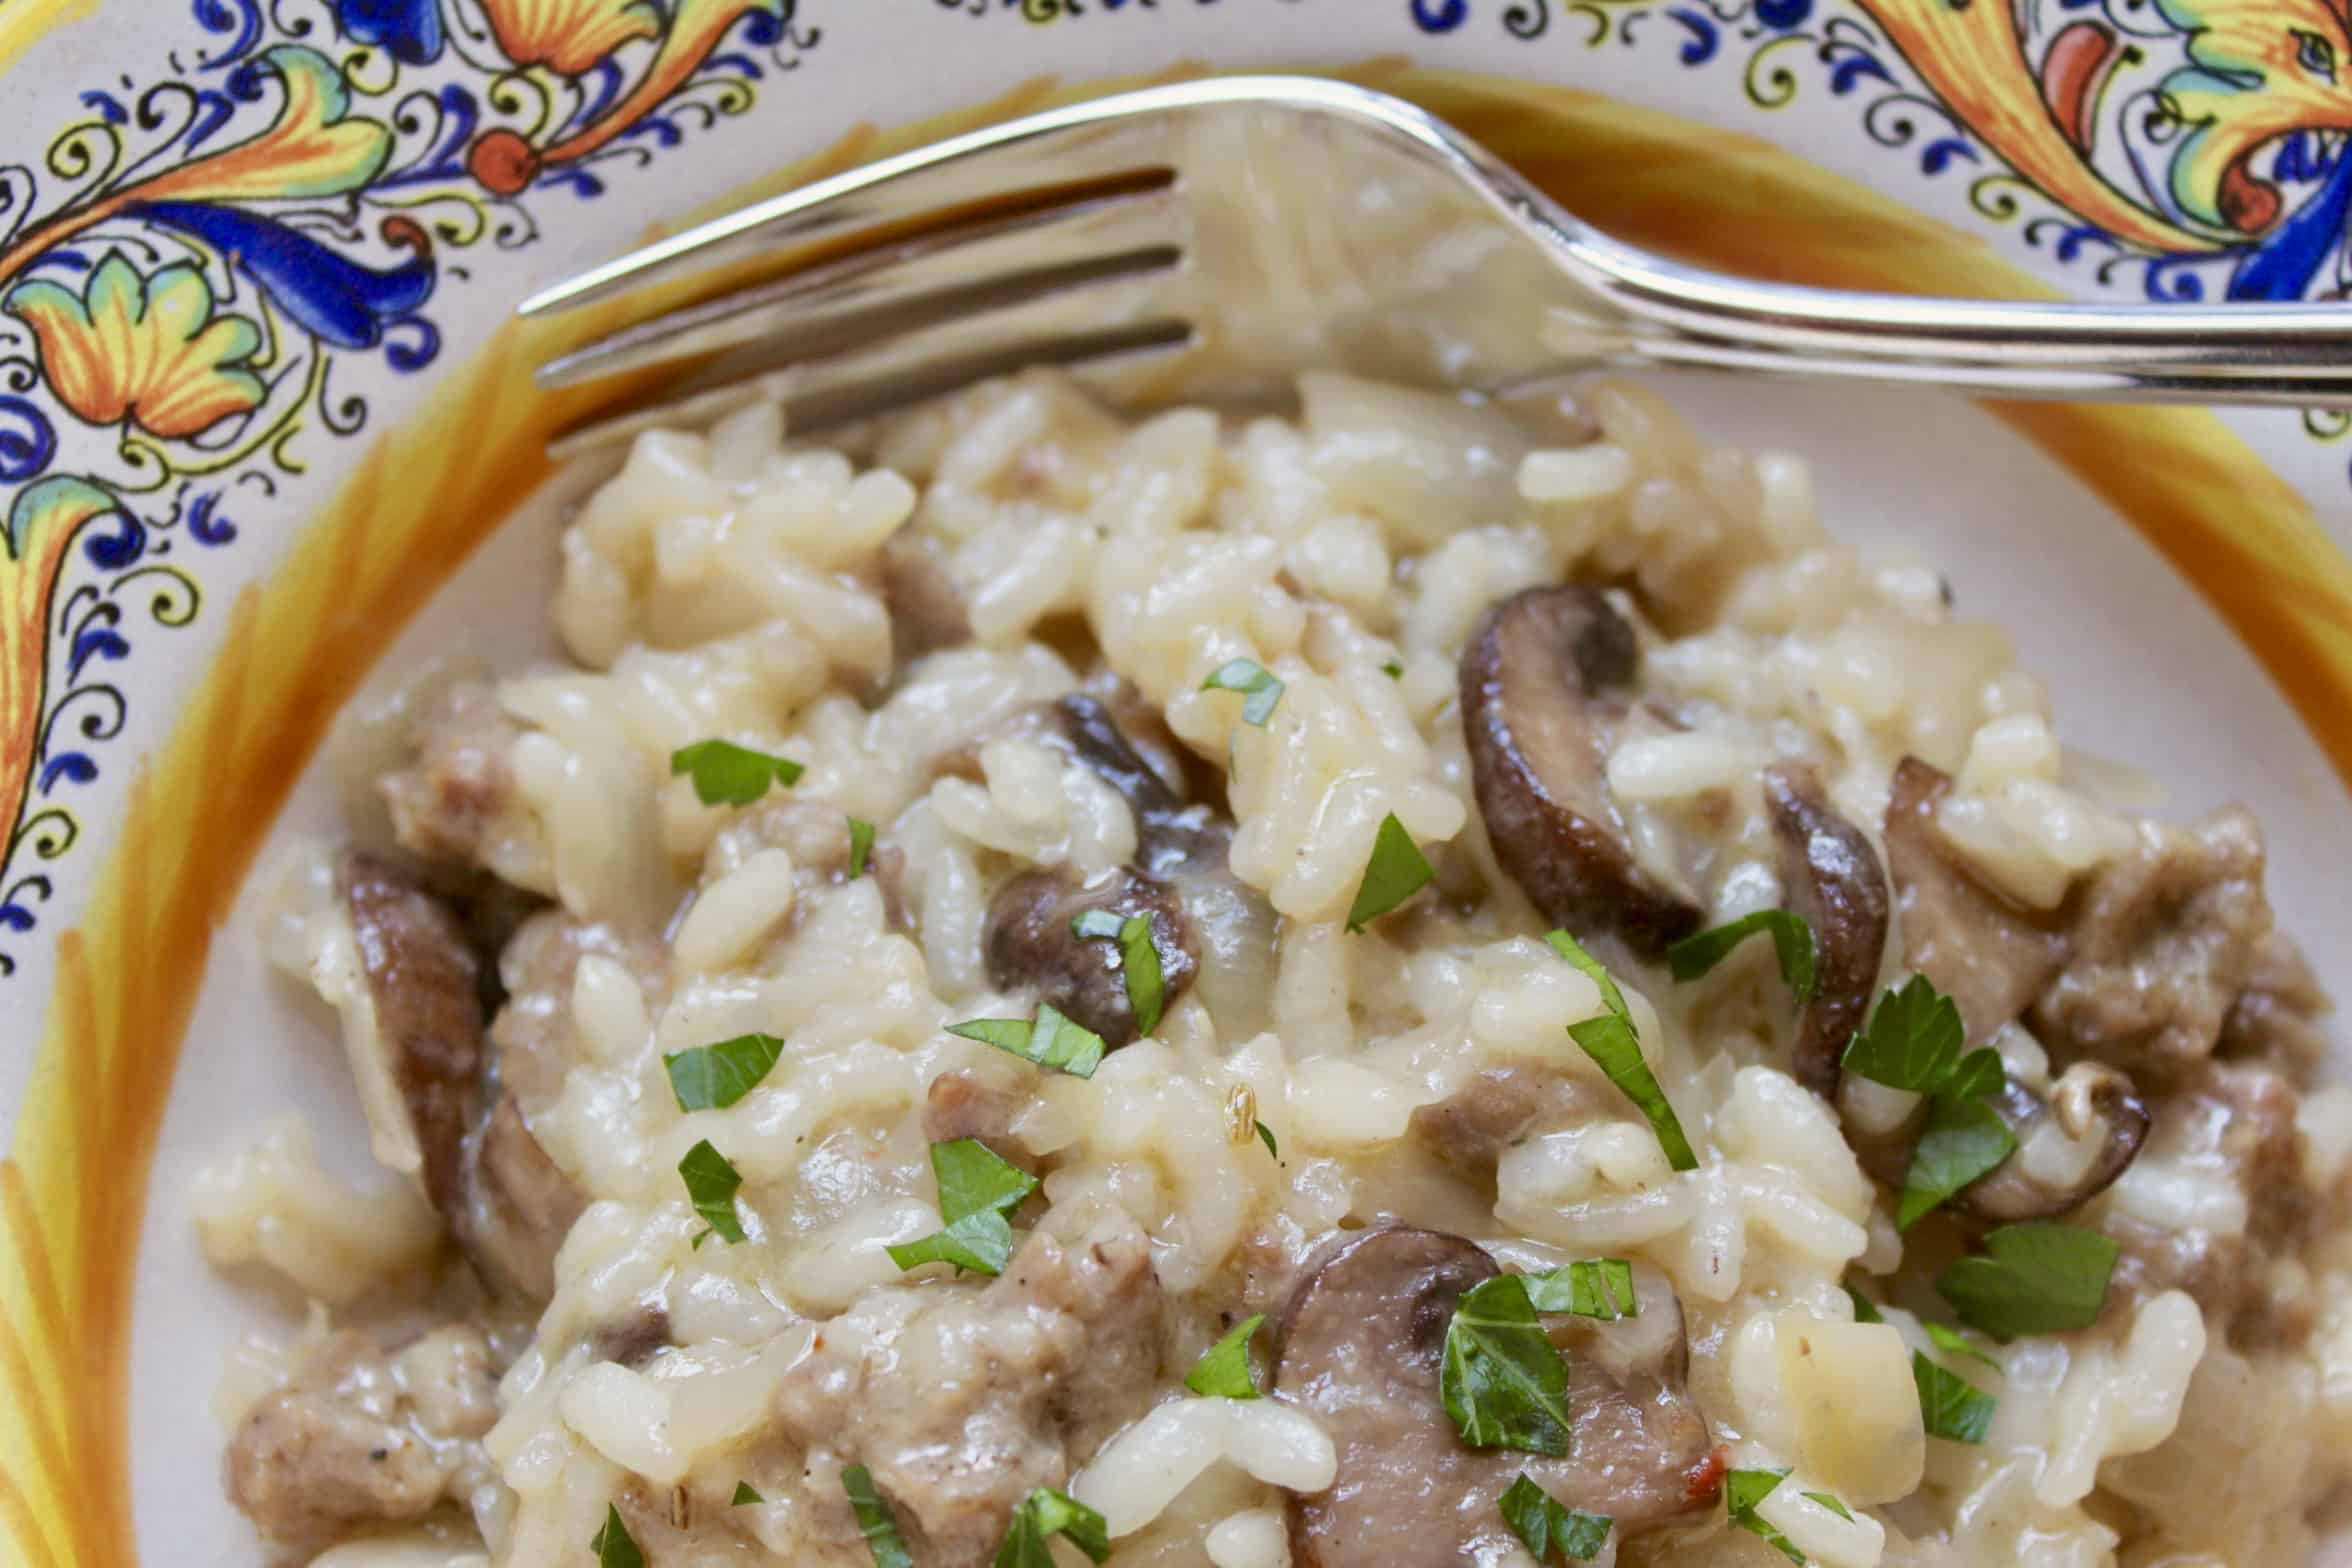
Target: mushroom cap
1029,940
1834,883
2088,1097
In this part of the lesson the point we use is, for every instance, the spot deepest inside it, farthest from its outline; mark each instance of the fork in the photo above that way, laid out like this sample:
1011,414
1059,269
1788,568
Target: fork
1224,234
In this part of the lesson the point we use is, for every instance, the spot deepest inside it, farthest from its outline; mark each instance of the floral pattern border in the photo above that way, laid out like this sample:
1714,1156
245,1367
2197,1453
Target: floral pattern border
203,274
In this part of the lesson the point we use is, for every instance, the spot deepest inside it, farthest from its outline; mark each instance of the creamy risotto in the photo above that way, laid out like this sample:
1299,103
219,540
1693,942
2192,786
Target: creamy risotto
1409,984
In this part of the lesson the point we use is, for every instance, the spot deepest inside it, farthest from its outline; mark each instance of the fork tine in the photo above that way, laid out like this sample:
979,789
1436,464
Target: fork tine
1043,158
1079,321
929,275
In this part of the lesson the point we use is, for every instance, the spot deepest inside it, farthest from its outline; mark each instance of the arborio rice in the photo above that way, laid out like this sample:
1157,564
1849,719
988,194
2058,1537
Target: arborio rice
1039,722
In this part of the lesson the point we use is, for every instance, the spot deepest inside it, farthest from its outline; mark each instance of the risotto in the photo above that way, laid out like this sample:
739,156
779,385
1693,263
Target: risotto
1416,983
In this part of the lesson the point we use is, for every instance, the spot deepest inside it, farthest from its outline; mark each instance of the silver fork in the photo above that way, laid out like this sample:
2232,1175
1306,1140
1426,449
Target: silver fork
1218,236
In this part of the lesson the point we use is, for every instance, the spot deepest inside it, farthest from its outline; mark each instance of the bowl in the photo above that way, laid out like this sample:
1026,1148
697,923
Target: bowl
266,425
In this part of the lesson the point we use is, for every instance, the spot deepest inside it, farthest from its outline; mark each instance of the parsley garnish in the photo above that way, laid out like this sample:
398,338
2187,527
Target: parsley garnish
1225,1371
1792,944
744,1496
1589,1287
874,1521
1139,960
1253,680
1949,1404
1913,1042
1502,1380
1396,871
1865,1310
1952,1343
1046,1513
1266,1135
1543,1522
1051,1042
613,1545
728,774
1830,1503
711,1184
713,1077
861,844
1742,1491
2031,1279
1611,1042
1394,669
977,1190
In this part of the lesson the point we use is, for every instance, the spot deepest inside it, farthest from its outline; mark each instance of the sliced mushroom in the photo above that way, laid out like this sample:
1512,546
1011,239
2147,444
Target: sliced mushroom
2087,1100
1360,1343
1500,1106
1208,927
1834,884
518,1206
1988,956
1542,677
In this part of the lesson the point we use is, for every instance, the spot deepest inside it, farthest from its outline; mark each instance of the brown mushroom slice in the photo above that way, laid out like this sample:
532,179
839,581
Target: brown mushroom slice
518,1206
1542,676
1030,939
1360,1343
1835,885
2087,1099
1988,956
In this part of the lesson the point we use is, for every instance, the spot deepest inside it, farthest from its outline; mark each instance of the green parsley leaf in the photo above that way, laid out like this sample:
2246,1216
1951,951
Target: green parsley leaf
1051,1042
713,1077
1912,1040
1046,1513
977,1190
613,1545
1979,1074
861,845
874,1521
1792,945
2031,1279
1964,1139
1139,960
1266,1134
1611,1042
1394,669
1949,1404
744,1496
1589,1287
1952,1343
1543,1522
1502,1380
1225,1371
1742,1491
1396,871
728,774
1828,1502
1253,679
711,1183
1865,1310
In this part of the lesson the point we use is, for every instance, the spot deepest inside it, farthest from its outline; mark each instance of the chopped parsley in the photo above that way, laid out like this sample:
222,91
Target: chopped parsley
1830,1503
1742,1491
874,1521
1396,871
711,1184
1792,945
1913,1042
1589,1287
1139,961
1611,1042
1225,1371
977,1190
744,1496
1953,1343
861,845
613,1545
1044,1514
1266,1136
1865,1310
1052,1041
1257,683
732,775
1394,669
713,1077
1502,1379
1949,1405
2031,1279
1543,1522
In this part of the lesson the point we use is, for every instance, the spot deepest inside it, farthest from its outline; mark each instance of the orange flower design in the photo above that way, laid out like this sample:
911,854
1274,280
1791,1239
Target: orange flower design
568,36
149,350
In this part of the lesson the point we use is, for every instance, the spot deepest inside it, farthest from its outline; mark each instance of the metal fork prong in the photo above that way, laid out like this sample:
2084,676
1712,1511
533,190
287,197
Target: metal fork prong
828,392
1105,237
